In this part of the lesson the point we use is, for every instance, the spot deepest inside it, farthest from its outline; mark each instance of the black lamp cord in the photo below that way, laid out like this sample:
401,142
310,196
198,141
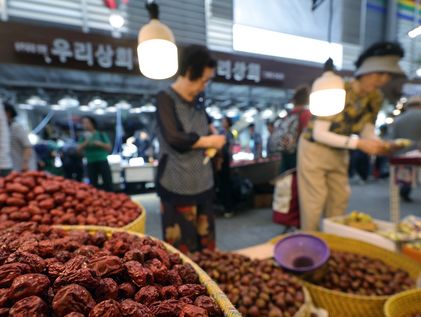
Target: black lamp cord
152,9
329,66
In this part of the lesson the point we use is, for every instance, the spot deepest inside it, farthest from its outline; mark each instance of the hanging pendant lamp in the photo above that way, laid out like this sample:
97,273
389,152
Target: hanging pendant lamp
327,96
156,50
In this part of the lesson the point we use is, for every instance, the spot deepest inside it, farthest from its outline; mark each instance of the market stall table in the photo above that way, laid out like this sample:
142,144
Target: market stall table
394,202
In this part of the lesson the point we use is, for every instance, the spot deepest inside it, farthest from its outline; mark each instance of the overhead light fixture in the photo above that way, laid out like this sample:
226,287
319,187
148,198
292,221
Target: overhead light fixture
84,108
389,120
25,106
36,101
99,112
415,32
231,113
396,112
156,50
111,109
267,113
98,103
250,113
33,138
135,110
328,94
57,108
148,108
282,114
116,20
418,72
68,102
123,105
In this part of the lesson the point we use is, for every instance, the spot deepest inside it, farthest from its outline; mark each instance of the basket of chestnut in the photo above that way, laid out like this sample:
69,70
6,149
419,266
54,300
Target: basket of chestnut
48,271
405,304
257,288
358,278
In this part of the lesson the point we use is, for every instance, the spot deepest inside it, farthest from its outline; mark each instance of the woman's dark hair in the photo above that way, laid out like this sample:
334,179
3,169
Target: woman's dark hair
229,121
9,108
301,95
194,59
92,121
380,49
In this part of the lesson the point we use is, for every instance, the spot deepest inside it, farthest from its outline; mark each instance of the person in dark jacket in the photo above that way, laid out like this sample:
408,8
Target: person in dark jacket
185,177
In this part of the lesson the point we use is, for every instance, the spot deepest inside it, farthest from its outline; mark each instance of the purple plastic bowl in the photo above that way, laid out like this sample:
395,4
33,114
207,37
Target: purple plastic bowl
299,247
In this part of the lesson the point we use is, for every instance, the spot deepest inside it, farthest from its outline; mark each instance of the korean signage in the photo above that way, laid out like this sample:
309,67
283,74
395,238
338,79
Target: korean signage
103,55
248,70
54,47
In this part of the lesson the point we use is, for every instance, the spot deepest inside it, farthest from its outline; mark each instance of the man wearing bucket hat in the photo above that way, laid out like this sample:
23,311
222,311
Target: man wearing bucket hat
323,147
408,126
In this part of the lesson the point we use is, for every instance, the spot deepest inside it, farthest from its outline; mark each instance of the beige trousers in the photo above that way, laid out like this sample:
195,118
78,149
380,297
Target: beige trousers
323,186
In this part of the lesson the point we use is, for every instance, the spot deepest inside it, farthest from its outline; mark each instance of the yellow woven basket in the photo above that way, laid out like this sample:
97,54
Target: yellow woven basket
340,304
403,304
139,224
213,289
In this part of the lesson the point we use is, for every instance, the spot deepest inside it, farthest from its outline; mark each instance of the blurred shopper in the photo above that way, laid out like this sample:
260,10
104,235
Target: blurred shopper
359,164
291,127
271,148
96,146
72,161
256,143
143,143
323,148
408,126
224,172
5,158
185,178
22,154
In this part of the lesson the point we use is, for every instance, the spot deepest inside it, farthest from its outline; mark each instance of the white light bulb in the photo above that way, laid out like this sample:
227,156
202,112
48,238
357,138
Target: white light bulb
158,59
116,20
389,120
415,32
328,95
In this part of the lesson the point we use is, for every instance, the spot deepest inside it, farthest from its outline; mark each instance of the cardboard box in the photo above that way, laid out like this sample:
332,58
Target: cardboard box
263,200
331,226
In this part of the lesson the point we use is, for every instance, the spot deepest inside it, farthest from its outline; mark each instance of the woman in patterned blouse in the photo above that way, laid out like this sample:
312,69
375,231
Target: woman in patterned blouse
323,147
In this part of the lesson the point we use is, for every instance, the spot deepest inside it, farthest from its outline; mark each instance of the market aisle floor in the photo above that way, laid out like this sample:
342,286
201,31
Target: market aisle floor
255,226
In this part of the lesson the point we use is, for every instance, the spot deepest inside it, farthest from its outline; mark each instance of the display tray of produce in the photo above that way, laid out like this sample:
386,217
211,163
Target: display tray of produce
358,278
363,227
257,287
405,304
53,200
50,271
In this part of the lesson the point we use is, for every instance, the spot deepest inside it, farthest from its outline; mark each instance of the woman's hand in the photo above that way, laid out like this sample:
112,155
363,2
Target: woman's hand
373,147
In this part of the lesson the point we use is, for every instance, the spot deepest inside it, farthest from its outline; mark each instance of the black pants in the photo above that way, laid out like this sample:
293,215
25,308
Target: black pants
4,172
102,169
360,164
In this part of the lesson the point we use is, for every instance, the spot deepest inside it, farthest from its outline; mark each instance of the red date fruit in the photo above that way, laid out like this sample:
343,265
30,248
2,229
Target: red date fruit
107,289
107,308
140,275
72,298
209,305
8,272
193,311
130,308
106,265
28,285
36,263
30,306
147,295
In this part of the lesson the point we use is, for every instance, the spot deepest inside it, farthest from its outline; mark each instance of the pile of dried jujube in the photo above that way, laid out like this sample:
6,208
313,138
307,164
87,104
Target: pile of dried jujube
49,272
46,199
256,287
358,274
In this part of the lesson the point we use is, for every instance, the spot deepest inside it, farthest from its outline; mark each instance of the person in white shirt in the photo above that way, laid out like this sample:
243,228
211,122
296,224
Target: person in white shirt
20,147
5,159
